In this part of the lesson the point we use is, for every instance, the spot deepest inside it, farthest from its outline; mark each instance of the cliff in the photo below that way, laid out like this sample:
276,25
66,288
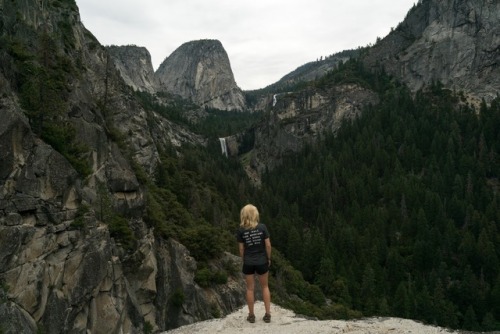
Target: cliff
78,151
200,71
300,118
456,42
76,254
134,64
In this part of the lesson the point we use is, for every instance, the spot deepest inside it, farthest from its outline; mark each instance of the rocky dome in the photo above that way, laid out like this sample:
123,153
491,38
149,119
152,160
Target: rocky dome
200,71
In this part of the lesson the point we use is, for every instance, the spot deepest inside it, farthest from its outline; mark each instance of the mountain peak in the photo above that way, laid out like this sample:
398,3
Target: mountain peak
201,72
201,44
453,42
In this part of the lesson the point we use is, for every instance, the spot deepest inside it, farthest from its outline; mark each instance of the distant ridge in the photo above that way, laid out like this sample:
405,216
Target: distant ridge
455,42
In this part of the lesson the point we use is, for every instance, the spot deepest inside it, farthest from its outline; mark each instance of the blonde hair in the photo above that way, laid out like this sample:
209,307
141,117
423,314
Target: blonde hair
249,217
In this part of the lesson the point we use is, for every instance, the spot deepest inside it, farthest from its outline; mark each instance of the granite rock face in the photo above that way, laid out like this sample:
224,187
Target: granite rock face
200,71
296,119
456,42
62,270
134,64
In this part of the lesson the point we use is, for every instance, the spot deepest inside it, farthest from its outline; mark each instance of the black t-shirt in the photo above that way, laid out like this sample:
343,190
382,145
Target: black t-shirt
255,246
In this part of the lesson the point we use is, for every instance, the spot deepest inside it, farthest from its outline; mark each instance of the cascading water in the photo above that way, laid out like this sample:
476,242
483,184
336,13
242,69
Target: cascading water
223,146
275,97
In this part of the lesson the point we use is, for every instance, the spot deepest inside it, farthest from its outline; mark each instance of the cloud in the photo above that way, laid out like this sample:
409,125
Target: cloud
264,39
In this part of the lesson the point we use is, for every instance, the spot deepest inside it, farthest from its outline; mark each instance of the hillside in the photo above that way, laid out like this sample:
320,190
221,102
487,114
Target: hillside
455,42
118,209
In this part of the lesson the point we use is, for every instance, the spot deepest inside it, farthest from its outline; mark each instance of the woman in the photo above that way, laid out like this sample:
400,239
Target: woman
255,249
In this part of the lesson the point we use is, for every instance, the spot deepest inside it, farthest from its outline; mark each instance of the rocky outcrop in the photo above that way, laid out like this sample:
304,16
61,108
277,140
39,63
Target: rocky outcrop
134,64
260,99
64,279
316,69
62,269
286,322
456,42
200,71
296,119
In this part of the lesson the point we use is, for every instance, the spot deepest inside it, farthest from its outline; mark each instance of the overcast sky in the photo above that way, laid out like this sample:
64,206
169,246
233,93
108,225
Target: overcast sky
264,39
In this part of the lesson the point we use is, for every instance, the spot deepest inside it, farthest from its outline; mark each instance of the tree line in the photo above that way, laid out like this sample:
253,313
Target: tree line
398,214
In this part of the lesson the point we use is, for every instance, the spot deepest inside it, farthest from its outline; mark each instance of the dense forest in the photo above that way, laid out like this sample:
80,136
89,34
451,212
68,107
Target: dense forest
397,214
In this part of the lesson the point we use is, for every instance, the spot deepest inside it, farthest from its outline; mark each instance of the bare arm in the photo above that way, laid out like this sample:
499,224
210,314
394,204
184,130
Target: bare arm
268,249
242,248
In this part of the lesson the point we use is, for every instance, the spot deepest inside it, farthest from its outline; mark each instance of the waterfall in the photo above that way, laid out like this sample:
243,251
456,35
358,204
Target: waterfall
275,100
223,146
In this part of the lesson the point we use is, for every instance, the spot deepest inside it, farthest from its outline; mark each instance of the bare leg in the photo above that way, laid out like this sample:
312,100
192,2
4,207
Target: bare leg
250,292
266,294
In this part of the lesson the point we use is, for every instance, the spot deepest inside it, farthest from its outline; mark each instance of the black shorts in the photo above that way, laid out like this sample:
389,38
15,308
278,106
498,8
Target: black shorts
260,269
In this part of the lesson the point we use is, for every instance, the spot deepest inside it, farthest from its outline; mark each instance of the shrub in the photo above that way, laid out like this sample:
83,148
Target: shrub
119,229
62,139
177,298
205,278
215,311
230,267
4,288
219,277
78,222
203,241
202,277
147,327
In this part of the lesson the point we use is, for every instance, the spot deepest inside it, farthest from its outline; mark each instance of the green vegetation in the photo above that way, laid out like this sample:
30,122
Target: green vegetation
78,222
220,123
175,110
61,3
147,327
213,123
189,199
293,82
119,227
177,298
397,214
215,311
205,277
4,288
43,82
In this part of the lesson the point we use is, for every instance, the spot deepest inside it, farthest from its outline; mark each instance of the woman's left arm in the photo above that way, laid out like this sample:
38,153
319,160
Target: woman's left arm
268,249
242,248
